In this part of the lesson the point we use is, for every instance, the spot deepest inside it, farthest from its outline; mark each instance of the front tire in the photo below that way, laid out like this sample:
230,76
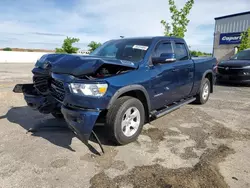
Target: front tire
125,119
204,93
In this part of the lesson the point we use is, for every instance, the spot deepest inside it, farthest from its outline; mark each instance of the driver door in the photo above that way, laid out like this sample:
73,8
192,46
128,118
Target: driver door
164,82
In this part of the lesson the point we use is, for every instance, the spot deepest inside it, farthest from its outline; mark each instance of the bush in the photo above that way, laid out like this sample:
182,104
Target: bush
7,49
245,40
67,46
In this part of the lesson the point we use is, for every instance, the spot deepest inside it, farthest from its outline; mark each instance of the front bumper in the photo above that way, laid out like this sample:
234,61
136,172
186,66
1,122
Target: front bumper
44,104
233,78
80,121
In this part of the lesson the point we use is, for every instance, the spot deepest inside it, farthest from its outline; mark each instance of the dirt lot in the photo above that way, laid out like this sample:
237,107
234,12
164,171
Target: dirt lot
195,146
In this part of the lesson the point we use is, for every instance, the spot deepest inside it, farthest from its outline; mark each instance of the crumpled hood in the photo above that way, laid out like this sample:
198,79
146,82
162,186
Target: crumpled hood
235,63
78,65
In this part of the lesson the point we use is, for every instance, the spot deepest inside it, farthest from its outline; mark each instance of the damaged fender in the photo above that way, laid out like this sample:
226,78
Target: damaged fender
81,121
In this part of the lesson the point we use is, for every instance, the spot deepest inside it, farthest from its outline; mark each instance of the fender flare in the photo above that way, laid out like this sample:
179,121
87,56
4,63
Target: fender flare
206,72
204,75
125,89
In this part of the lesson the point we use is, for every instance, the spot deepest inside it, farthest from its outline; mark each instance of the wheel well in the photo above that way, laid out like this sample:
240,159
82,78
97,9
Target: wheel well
209,76
141,96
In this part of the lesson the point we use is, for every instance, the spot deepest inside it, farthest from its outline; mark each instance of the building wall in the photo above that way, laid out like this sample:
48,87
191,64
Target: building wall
228,25
233,24
222,52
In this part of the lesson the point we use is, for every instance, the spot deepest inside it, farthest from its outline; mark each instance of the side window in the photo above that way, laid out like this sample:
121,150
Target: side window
181,51
163,47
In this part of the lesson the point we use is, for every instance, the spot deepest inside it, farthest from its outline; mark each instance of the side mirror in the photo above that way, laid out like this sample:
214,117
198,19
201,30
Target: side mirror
164,58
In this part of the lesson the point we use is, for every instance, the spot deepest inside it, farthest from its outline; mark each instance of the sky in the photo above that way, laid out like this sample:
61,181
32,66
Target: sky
45,24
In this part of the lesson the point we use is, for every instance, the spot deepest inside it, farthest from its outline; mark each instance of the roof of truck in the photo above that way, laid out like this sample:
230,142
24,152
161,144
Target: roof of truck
153,37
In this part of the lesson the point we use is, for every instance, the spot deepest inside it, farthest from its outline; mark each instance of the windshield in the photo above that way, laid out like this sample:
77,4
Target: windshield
243,55
124,49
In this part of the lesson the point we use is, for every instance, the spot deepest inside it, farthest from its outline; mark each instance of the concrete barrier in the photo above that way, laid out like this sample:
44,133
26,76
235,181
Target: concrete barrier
20,57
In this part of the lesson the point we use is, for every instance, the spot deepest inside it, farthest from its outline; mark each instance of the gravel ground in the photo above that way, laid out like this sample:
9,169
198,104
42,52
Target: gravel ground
195,146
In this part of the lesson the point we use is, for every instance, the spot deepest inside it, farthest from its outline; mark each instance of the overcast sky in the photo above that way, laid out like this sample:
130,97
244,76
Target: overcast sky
45,23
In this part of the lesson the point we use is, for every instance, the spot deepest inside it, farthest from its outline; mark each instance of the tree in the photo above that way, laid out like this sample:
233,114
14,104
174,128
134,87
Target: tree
7,49
179,22
93,45
199,53
67,46
245,40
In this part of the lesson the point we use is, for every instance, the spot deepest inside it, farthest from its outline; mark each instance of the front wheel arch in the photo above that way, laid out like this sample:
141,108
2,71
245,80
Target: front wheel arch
136,91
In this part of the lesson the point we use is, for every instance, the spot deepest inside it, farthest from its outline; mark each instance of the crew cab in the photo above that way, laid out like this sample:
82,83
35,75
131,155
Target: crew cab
122,85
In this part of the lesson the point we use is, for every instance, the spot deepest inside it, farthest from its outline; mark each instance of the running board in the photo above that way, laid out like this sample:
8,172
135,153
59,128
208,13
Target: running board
171,108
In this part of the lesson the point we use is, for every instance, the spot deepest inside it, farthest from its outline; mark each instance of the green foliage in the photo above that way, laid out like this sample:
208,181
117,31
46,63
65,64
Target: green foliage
179,22
7,49
199,53
245,40
93,45
67,46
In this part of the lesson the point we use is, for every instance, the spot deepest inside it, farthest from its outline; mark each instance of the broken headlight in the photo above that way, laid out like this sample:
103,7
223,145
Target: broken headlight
95,90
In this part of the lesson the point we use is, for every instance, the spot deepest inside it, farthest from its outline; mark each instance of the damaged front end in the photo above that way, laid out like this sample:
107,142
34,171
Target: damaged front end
44,104
50,92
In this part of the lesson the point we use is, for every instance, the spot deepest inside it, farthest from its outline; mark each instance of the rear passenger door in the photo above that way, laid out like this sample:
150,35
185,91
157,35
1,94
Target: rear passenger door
184,69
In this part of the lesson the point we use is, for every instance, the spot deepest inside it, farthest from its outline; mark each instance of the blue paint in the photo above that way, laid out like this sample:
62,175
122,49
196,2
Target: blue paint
161,82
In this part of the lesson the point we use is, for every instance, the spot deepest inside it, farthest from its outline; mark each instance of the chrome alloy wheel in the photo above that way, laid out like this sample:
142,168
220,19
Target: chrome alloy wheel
205,92
131,121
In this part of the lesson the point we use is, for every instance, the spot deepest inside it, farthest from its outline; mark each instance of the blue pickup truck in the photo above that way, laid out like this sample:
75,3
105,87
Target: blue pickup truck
122,85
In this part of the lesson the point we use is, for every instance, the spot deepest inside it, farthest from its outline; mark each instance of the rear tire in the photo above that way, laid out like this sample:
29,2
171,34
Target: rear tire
204,93
125,119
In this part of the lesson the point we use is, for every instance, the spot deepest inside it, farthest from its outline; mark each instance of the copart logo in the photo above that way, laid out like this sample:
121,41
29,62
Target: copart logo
235,38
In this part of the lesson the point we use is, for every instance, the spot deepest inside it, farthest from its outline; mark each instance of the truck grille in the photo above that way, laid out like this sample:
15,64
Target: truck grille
57,90
232,71
41,83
